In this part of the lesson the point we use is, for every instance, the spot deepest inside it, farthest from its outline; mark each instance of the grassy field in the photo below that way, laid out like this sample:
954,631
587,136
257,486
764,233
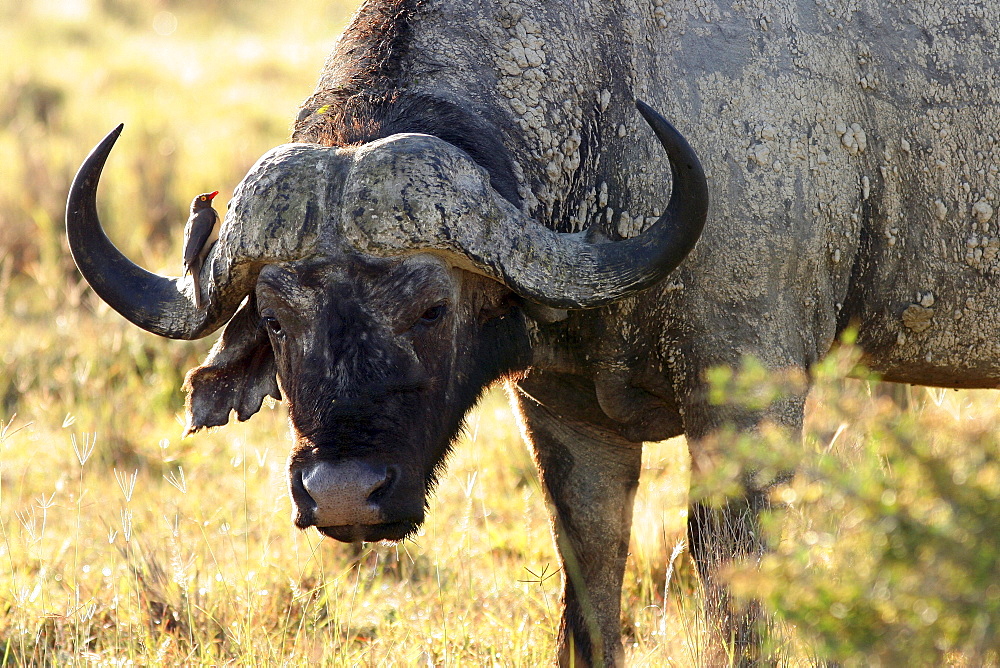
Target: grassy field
122,544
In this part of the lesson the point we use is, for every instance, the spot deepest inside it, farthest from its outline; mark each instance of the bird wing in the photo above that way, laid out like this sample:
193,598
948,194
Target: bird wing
197,231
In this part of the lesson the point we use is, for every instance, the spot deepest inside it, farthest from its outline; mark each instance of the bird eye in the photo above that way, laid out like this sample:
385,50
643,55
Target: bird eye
203,198
433,314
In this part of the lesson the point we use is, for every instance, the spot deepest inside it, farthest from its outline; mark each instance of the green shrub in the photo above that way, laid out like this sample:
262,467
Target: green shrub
885,546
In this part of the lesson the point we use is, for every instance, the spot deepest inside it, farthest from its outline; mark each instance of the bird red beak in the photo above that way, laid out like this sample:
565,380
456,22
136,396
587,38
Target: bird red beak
212,195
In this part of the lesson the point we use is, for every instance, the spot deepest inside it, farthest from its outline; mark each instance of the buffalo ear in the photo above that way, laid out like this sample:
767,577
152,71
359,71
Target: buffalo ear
236,376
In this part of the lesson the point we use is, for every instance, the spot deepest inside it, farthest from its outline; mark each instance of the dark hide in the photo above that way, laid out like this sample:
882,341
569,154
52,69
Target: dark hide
349,118
371,106
364,378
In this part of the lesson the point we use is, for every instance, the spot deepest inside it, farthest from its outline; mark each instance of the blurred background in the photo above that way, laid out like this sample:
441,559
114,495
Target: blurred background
204,88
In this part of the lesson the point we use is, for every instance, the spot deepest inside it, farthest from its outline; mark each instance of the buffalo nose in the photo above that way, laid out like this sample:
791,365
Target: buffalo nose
346,493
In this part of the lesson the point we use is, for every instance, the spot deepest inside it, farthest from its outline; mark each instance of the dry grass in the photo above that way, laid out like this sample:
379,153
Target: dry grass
173,552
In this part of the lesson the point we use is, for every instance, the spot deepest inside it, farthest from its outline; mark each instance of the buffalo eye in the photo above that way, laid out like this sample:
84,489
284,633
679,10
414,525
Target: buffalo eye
433,314
272,324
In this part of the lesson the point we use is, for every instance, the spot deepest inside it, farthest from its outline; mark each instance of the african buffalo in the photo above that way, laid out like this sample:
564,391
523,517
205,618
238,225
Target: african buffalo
471,197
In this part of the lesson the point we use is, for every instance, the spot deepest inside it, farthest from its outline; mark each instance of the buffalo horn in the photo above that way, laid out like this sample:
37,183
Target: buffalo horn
585,275
414,192
155,303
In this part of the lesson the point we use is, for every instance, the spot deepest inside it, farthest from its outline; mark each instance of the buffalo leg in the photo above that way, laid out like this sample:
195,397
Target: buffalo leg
718,535
590,476
723,532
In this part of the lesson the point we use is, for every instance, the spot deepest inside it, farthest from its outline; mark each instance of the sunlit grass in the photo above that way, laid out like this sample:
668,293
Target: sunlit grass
194,558
122,540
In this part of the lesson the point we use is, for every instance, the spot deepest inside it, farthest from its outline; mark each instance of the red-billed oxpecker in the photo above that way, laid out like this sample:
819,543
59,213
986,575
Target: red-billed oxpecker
200,232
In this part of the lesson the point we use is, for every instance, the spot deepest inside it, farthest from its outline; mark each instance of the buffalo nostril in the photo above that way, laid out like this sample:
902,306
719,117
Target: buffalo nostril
303,505
299,489
380,489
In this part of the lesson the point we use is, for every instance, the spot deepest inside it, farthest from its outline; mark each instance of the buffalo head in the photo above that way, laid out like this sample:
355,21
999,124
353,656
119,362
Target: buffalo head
381,288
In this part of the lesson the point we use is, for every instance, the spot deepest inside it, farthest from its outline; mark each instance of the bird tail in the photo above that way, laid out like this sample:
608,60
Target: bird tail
197,289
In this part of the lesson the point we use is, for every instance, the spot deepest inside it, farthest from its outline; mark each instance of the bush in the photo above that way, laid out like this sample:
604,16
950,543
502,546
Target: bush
885,544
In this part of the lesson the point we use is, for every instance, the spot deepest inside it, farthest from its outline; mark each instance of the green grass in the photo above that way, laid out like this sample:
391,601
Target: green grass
121,542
